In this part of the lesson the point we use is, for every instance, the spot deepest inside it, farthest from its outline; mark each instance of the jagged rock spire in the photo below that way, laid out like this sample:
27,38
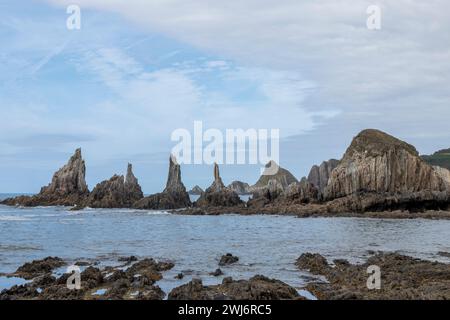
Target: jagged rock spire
174,183
70,178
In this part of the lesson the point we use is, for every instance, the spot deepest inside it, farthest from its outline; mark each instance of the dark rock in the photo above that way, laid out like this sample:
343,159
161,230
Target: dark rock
117,192
36,268
174,195
217,195
228,259
403,278
68,187
179,276
256,288
128,260
217,273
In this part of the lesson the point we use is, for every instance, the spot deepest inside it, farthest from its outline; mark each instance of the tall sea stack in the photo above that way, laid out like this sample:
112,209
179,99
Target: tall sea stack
68,187
217,195
174,195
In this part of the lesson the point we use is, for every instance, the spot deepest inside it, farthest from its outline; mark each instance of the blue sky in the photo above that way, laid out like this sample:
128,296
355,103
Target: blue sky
136,71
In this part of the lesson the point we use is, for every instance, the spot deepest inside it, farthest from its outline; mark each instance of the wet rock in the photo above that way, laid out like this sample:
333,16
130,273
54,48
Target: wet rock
444,254
117,192
217,195
68,187
228,259
179,276
314,263
256,288
36,268
127,260
217,273
174,195
403,278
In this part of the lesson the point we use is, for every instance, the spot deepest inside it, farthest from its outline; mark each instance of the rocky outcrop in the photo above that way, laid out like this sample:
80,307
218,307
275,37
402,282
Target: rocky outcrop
402,278
117,192
319,175
301,192
228,259
134,282
217,195
174,195
196,191
239,187
383,167
256,288
273,172
68,187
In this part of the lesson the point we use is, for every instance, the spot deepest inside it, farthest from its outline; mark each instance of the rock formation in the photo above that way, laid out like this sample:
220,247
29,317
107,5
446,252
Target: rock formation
174,195
239,187
68,187
301,192
319,175
273,172
217,195
117,192
196,191
377,163
256,288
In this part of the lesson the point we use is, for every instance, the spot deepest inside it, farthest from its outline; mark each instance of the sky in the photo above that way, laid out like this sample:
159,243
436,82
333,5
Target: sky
138,70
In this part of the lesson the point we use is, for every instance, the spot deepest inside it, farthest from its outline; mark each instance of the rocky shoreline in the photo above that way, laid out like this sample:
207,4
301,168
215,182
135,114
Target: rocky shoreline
379,176
402,277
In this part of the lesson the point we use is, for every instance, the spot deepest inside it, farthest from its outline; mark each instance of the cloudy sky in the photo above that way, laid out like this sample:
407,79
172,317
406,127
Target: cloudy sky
137,70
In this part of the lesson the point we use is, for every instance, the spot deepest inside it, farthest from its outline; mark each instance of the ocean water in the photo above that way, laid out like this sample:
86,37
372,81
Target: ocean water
267,245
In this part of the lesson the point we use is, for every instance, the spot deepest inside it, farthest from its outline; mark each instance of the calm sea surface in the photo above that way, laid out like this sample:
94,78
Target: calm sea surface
267,245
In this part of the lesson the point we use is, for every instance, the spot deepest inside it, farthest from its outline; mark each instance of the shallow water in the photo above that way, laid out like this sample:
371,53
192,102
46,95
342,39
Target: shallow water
267,245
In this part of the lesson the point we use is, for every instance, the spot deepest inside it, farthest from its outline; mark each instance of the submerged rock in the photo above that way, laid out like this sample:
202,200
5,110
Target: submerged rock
174,195
117,192
256,288
217,195
68,187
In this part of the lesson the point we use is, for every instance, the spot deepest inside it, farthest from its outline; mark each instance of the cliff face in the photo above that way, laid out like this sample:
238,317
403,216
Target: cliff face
319,175
117,192
196,191
68,187
217,195
379,163
174,195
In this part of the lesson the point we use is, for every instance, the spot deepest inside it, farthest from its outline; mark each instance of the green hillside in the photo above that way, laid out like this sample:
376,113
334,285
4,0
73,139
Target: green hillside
440,158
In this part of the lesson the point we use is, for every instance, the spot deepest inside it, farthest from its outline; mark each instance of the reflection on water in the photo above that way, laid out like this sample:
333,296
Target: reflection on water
267,245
